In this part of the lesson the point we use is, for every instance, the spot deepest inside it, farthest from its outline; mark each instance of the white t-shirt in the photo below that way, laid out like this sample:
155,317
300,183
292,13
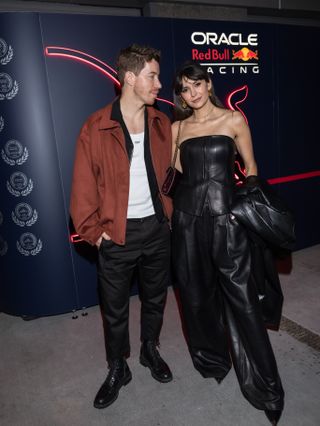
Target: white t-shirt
140,201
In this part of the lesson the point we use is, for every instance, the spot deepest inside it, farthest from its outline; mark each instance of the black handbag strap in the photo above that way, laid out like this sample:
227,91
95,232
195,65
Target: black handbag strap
177,147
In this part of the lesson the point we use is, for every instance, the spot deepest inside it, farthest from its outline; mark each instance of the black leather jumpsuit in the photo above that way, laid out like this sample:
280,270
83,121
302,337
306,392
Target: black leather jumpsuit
211,258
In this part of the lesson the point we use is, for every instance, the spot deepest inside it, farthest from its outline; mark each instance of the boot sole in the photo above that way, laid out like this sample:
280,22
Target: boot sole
125,381
145,363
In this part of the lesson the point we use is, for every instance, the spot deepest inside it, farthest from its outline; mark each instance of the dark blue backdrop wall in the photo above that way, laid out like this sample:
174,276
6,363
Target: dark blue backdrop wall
54,73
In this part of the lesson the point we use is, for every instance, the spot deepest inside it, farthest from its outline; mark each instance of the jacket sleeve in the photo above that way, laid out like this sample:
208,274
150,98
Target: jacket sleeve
84,200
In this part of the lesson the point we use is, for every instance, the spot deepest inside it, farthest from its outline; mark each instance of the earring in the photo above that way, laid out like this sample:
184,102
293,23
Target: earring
210,93
183,103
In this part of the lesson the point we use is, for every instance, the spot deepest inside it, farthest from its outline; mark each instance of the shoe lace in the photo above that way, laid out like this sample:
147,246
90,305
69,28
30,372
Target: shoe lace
116,366
153,351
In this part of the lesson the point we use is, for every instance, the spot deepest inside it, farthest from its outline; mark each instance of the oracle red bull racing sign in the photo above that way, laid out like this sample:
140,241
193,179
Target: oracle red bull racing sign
222,53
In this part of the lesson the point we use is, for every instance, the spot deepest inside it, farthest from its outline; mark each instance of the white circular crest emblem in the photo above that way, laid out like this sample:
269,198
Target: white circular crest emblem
19,181
19,184
29,244
8,87
14,153
6,52
13,149
6,83
24,215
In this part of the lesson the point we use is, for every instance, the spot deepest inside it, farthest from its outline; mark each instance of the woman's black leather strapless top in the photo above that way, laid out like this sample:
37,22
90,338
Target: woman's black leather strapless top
208,175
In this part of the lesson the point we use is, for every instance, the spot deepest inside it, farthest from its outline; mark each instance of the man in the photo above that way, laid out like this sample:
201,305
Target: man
122,155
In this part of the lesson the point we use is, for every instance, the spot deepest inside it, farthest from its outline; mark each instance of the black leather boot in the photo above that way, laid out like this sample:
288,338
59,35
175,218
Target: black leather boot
150,357
273,416
118,376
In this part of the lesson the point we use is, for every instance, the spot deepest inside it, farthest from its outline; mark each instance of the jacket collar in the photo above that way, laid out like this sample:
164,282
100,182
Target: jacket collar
111,116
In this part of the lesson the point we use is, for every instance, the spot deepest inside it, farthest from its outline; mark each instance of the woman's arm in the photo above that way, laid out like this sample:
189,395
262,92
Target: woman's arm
175,129
244,143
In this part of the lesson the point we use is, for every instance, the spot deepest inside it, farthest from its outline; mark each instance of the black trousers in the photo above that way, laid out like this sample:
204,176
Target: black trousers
221,311
147,248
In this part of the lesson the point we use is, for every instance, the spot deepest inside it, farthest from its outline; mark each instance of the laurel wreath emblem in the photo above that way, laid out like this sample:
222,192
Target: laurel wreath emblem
6,59
33,252
17,221
29,222
1,123
37,250
33,220
24,193
19,161
23,158
6,159
28,189
12,92
12,191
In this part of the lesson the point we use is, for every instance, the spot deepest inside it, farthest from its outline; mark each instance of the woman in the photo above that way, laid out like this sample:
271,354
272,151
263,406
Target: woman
211,253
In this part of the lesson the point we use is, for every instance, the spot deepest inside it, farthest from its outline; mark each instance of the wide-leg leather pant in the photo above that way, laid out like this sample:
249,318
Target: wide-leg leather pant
220,306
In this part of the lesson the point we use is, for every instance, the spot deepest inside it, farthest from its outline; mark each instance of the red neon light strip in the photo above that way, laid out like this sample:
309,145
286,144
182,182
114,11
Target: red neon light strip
165,101
56,50
292,178
75,238
242,171
96,63
86,61
229,103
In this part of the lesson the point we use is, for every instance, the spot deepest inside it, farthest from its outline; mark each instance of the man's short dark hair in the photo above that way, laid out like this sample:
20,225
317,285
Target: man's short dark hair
134,58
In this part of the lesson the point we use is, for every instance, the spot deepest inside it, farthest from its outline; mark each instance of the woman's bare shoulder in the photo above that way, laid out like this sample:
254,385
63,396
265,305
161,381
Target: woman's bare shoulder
175,125
237,117
175,129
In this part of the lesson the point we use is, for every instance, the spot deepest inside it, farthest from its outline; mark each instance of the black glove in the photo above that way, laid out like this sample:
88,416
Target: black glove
252,181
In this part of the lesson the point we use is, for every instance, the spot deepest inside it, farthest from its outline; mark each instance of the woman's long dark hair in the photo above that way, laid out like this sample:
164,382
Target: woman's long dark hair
192,71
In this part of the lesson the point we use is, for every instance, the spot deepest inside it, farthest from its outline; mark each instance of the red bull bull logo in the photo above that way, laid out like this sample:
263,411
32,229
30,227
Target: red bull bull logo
244,54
